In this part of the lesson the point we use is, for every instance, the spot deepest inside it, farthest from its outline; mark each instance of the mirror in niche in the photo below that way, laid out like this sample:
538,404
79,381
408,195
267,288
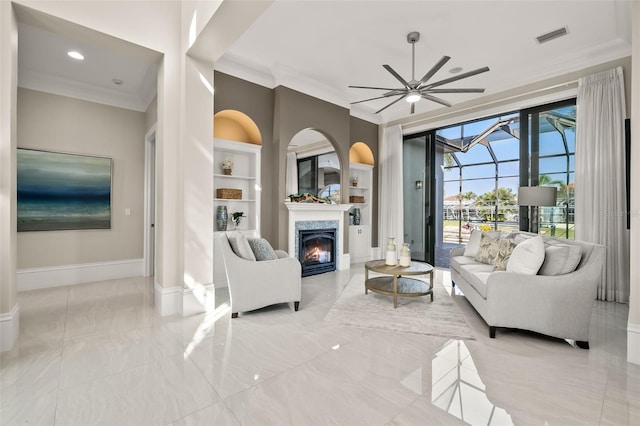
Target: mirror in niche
313,167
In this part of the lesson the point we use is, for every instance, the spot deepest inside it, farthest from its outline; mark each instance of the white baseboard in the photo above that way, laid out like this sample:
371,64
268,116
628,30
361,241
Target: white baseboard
168,301
201,298
184,301
9,328
344,262
56,276
633,343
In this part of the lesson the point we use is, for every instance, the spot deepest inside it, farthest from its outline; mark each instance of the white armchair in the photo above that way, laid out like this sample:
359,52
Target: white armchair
256,284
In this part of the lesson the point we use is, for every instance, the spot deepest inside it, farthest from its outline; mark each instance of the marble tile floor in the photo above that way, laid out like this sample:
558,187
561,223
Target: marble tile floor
98,354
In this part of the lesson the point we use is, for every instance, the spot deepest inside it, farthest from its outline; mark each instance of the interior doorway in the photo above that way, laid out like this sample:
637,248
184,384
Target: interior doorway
150,202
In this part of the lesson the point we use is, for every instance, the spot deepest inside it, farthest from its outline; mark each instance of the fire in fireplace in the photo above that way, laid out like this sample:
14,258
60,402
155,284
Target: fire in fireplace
317,251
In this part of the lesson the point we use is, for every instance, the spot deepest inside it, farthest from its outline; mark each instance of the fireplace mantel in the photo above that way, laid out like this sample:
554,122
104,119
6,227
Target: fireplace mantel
317,207
309,212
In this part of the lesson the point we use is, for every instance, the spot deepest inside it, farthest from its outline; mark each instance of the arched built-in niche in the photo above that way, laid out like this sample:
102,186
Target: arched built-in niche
323,157
236,126
361,153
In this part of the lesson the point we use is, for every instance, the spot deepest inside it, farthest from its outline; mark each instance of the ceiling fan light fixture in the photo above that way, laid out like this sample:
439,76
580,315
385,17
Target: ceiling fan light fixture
413,97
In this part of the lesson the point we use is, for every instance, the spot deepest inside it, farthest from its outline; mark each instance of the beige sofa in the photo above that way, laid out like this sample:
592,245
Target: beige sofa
554,305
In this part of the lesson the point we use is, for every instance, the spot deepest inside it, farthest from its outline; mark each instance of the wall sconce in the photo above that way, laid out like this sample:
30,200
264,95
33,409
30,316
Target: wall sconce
418,184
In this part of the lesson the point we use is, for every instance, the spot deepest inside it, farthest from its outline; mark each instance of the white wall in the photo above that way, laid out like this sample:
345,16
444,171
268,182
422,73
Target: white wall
56,123
8,89
633,340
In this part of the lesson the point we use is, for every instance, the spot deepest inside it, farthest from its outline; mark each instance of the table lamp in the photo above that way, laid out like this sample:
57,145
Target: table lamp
535,196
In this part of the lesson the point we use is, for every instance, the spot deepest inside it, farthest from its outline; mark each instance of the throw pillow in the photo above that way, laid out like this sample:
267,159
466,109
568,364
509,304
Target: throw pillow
488,249
505,248
262,249
474,241
240,245
560,259
527,257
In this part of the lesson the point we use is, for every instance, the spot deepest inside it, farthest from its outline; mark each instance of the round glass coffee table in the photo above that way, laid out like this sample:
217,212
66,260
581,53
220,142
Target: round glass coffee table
395,282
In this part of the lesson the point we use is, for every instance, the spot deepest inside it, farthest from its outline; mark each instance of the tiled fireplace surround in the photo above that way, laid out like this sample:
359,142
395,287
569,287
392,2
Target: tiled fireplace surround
318,216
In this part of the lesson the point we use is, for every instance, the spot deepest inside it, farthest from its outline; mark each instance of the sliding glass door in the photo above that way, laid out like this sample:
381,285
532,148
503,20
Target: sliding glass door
417,187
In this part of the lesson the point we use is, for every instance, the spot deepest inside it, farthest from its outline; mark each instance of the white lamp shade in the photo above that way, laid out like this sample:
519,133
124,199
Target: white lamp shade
537,195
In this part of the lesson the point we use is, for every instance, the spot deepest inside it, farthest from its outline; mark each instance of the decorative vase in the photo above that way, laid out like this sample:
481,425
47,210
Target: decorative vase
227,172
356,216
222,218
392,255
405,255
354,182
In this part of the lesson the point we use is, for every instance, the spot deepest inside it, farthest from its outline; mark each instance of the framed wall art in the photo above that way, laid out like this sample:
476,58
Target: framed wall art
58,191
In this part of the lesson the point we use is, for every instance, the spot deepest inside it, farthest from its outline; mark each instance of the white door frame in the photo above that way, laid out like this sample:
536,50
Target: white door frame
149,201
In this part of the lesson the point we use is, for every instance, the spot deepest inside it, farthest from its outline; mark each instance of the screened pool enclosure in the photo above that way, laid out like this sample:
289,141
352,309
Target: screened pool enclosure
466,177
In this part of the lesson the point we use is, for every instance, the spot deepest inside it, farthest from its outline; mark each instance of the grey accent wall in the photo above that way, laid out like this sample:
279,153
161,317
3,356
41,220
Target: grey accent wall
257,102
294,112
367,133
281,113
57,123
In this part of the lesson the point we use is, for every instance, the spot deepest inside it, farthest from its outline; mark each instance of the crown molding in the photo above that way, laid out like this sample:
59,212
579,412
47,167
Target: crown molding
43,82
288,77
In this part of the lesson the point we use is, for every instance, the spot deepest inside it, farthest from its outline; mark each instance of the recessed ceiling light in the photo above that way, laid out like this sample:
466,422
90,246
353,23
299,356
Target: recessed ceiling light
117,81
455,70
75,55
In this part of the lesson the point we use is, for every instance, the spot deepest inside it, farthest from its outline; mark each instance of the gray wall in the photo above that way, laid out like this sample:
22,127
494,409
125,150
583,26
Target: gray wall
257,102
280,114
367,133
57,123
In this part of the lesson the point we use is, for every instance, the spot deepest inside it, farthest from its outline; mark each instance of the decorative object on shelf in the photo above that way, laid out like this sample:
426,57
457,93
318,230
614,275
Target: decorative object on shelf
405,255
227,165
392,254
236,217
354,181
356,216
306,198
222,218
356,199
229,193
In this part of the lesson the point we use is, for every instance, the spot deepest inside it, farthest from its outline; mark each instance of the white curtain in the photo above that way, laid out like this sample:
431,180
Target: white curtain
291,179
600,194
390,187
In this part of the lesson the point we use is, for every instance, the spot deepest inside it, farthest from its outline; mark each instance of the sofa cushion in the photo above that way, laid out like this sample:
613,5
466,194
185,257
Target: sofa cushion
262,249
527,257
457,261
240,245
470,275
560,259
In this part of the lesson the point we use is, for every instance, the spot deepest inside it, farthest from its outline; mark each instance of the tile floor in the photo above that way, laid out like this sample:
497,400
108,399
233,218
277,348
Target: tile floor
98,354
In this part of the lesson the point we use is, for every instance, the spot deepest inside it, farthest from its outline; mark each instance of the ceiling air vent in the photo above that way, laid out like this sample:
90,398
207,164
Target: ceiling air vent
560,32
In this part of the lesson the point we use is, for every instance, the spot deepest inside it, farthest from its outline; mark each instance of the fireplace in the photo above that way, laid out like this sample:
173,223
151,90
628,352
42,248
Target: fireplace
317,250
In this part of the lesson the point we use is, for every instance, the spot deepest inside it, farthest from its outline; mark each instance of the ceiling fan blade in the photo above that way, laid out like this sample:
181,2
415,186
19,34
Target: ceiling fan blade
388,105
457,77
413,108
374,88
436,100
397,76
373,99
454,90
434,70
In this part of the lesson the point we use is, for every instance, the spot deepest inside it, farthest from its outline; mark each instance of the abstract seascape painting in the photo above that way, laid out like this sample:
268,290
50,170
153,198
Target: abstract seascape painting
59,191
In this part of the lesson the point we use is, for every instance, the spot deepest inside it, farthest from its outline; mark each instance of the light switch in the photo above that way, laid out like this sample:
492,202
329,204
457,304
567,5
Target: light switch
127,212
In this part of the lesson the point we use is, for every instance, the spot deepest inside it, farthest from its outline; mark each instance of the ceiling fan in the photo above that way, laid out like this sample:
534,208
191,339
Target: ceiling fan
415,90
